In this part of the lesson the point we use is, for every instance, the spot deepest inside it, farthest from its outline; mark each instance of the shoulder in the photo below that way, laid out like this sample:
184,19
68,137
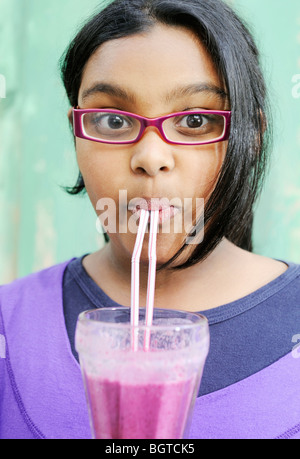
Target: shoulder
270,278
54,272
255,265
245,273
26,301
31,286
257,269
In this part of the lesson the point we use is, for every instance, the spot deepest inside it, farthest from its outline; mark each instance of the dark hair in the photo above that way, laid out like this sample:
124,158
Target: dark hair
229,211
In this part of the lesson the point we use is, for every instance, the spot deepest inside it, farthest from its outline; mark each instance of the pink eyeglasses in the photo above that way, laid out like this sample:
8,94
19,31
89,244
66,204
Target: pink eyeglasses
183,128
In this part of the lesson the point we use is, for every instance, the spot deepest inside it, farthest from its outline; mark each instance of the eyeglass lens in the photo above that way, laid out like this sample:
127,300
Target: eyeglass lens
191,128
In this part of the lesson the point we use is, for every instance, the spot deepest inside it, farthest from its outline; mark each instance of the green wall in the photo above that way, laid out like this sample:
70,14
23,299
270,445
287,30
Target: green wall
39,223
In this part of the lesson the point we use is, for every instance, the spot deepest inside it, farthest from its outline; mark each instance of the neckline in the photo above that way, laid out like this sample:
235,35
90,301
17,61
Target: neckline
215,315
243,304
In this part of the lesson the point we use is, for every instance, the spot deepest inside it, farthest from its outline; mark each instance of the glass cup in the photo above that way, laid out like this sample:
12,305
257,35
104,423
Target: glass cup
133,393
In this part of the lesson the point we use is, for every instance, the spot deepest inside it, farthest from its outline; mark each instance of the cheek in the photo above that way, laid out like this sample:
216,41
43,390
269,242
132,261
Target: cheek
206,168
97,169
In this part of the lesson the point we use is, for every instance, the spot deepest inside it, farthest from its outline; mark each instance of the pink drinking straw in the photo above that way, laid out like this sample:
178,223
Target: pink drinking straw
151,275
135,276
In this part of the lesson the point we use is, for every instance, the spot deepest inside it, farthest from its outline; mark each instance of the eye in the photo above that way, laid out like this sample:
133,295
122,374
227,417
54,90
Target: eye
111,121
194,120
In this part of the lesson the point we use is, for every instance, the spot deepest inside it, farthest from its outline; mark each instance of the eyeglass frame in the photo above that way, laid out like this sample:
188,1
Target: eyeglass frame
146,122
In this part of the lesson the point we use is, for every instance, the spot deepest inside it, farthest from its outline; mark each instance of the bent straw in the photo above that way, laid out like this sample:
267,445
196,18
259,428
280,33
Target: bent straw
135,275
151,276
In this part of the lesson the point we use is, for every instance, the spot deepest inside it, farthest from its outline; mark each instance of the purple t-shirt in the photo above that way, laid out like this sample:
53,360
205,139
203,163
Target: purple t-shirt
42,394
257,325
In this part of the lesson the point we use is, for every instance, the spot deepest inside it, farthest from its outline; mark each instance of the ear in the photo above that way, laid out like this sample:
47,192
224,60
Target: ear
70,116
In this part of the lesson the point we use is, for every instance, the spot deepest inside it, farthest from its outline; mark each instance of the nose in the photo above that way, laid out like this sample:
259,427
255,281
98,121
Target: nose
152,154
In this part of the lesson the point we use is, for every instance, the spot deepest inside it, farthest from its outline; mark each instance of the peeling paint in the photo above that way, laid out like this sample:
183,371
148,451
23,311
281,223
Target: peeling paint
2,86
39,224
45,236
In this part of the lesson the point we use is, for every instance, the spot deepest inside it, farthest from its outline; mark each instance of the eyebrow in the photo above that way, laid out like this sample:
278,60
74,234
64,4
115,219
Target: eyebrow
181,91
196,88
111,90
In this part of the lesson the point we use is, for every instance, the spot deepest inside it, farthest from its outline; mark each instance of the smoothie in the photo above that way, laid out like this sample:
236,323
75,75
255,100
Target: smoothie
138,394
139,411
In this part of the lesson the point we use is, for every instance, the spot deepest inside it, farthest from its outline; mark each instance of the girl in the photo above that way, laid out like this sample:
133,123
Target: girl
168,108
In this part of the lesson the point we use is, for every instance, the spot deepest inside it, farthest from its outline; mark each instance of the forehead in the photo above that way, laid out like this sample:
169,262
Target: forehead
151,65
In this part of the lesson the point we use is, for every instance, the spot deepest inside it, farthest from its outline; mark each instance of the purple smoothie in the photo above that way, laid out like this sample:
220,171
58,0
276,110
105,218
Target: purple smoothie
138,394
139,411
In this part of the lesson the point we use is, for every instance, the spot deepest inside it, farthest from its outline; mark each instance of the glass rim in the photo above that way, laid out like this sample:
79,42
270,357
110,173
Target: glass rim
201,321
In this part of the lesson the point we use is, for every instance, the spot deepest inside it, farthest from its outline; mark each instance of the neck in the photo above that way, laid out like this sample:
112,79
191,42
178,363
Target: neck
113,272
227,274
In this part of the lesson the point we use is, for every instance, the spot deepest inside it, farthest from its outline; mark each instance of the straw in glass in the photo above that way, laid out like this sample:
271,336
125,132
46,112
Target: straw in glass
154,218
135,276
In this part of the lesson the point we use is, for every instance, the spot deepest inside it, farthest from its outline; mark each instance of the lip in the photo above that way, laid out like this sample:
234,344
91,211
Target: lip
166,210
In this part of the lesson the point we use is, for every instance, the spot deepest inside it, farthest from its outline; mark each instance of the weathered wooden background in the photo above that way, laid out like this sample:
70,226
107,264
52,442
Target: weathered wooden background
39,223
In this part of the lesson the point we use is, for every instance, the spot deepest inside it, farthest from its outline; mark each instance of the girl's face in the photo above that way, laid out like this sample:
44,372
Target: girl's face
162,71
